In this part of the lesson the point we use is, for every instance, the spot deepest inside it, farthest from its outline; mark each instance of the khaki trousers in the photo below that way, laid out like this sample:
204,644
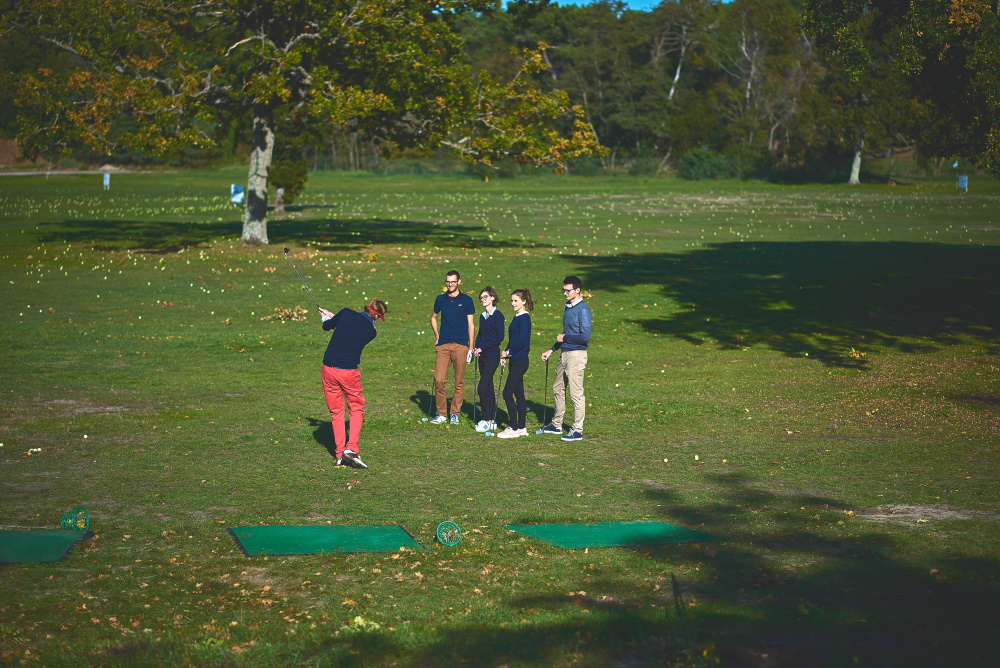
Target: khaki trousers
449,354
569,373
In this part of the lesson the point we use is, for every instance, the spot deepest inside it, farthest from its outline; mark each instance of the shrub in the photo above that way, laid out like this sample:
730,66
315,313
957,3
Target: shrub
290,174
702,163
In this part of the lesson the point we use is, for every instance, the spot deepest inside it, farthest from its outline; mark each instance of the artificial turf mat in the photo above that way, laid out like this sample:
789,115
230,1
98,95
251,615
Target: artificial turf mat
289,540
578,535
22,545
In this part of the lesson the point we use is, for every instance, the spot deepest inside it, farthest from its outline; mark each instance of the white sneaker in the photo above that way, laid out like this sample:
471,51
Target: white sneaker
522,432
439,419
353,458
509,433
485,426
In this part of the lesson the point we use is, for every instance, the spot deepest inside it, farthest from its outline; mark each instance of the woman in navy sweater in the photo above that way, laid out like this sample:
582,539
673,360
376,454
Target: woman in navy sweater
516,357
487,351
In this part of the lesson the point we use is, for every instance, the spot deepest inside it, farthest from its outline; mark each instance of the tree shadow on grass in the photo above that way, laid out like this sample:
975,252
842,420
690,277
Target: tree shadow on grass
788,585
325,234
817,299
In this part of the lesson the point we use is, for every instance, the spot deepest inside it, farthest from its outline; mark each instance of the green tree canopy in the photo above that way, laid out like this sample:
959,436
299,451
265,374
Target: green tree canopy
949,50
154,74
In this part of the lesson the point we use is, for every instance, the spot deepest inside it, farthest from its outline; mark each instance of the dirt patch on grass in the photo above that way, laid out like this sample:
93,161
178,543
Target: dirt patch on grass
920,513
75,407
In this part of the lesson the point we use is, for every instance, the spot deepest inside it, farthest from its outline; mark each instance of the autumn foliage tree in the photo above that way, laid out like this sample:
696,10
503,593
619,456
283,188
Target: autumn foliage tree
154,74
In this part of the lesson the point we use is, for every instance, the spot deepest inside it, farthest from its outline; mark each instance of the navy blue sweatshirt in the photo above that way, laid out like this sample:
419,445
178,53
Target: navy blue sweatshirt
519,336
352,331
490,334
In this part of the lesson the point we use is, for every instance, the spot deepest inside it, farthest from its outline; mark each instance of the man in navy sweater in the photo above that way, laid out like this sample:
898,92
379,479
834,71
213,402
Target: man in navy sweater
352,331
452,343
572,343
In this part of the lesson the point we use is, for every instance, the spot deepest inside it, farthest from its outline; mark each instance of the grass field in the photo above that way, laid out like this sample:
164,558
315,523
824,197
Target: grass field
809,373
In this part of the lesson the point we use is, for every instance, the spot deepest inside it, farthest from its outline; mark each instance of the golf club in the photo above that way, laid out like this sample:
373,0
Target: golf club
300,278
545,399
496,403
475,386
430,406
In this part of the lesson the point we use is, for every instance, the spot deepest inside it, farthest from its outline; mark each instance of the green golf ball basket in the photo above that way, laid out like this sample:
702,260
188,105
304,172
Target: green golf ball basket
76,519
448,533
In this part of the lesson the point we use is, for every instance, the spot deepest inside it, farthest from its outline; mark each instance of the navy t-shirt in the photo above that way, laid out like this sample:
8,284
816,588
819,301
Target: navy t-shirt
352,331
455,312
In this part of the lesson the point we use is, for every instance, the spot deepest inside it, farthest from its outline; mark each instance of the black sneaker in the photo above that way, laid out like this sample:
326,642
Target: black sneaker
353,458
573,435
551,429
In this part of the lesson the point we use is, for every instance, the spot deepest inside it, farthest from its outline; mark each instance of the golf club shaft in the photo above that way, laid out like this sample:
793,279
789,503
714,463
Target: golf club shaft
496,403
301,279
545,394
430,407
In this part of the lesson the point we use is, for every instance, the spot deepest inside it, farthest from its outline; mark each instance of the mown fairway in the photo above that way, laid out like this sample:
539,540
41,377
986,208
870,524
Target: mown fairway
809,373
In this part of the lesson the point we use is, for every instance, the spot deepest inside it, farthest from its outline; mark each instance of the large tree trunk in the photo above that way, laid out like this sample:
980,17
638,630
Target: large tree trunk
856,165
255,215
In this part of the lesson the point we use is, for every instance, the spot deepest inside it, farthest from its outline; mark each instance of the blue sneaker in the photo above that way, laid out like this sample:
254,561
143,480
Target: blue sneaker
454,419
551,429
573,435
439,419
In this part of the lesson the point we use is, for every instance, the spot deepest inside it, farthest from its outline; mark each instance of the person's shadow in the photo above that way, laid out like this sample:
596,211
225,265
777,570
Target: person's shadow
424,401
323,433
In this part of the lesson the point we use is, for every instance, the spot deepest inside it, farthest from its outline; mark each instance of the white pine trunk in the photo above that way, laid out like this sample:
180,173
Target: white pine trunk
255,215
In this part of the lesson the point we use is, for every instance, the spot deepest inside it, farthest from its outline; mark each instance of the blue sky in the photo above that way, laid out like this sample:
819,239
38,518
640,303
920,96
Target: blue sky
633,4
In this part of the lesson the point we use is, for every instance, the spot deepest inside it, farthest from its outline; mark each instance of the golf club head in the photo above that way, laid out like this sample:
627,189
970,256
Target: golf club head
539,432
424,419
487,433
286,250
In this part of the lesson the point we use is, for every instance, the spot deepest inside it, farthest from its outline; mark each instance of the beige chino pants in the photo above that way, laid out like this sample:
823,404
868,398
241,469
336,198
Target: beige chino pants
569,374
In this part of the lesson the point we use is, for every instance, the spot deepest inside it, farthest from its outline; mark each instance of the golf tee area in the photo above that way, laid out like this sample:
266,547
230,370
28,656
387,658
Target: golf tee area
802,381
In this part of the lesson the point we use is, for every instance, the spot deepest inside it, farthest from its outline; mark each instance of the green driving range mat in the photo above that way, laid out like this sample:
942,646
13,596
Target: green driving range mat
24,545
289,540
578,535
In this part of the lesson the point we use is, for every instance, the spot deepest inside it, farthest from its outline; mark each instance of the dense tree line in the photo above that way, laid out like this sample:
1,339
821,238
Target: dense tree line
774,88
708,88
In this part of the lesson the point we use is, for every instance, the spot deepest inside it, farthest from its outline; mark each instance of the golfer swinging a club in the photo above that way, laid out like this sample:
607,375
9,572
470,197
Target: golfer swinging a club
352,331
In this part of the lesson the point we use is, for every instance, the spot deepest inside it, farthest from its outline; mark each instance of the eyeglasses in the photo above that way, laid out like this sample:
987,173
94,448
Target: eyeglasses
570,289
451,282
482,297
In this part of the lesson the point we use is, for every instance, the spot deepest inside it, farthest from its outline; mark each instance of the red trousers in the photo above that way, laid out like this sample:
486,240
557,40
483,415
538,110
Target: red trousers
338,383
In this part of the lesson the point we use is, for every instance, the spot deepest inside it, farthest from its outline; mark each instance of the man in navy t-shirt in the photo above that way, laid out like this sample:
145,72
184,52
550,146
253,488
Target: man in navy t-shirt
452,340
